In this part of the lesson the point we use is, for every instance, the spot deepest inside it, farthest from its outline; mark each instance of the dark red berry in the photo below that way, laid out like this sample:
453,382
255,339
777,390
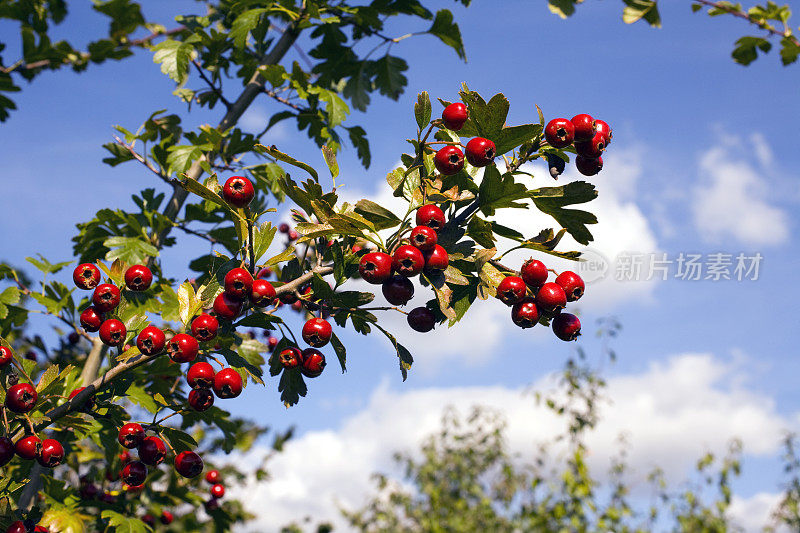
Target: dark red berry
397,290
5,356
52,453
211,505
88,491
262,293
183,348
424,238
73,338
217,491
91,319
200,375
421,319
106,297
588,166
593,148
21,398
213,477
283,227
204,327
313,363
227,383
134,473
149,519
6,450
152,451
408,260
533,273
166,518
317,332
264,273
572,284
449,160
601,126
88,403
480,152
17,527
188,464
454,116
290,357
138,278
293,235
238,191
375,267
201,399
151,340
525,314
238,283
272,342
86,276
113,332
567,327
131,435
511,290
28,447
226,307
559,133
584,127
551,297
430,215
436,259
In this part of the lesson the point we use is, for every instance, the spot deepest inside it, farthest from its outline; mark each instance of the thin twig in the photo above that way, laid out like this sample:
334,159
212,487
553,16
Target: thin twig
211,84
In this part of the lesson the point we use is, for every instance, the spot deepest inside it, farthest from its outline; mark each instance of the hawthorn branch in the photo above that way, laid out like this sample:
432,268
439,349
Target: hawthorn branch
787,33
143,160
211,84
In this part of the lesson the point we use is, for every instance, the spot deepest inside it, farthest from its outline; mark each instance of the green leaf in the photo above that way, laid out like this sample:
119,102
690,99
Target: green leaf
562,8
422,109
487,117
174,57
263,236
406,360
10,296
47,378
291,387
636,10
179,440
790,50
510,138
46,266
280,156
143,399
336,108
389,78
745,51
180,158
481,232
498,191
551,200
243,25
189,303
379,216
341,352
330,159
447,31
124,524
285,255
130,250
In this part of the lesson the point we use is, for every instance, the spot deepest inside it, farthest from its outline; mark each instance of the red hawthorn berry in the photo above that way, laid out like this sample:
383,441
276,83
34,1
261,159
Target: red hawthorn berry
138,278
421,319
593,148
567,327
183,348
227,383
17,527
133,489
188,464
449,160
588,166
559,133
511,290
226,307
408,261
436,259
52,453
200,375
290,357
551,298
73,338
272,342
86,276
131,435
572,284
584,127
397,290
124,457
297,305
88,404
601,126
134,473
238,283
151,340
264,273
430,215
293,235
201,399
211,505
217,491
113,332
41,529
213,477
533,273
106,297
91,319
166,518
480,152
5,356
313,363
317,332
205,327
152,451
375,267
454,116
149,519
262,293
21,398
525,314
238,191
288,297
6,451
283,227
424,238
28,447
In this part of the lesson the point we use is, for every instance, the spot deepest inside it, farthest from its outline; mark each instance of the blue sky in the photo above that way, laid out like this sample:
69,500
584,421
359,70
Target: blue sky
703,161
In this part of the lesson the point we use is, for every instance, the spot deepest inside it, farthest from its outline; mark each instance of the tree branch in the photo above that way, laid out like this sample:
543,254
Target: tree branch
787,33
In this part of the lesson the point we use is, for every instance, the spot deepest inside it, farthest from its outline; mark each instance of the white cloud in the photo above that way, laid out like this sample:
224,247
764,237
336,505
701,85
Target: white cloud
752,513
672,413
733,201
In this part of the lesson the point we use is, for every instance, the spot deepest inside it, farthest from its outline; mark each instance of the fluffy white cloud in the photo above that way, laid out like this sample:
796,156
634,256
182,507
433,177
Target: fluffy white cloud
671,413
752,513
733,201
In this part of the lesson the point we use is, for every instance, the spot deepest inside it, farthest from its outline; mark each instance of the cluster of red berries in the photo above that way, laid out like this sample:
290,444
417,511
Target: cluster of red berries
532,296
152,452
166,518
590,136
450,159
392,272
317,332
26,527
217,489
